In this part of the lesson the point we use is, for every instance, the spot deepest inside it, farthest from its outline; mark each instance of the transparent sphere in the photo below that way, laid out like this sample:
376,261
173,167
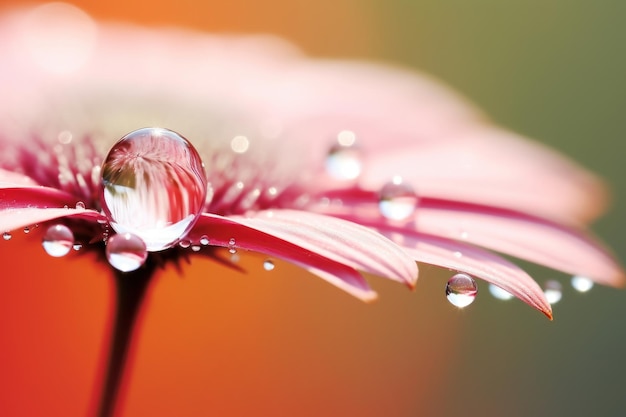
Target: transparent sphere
126,252
58,240
461,290
153,186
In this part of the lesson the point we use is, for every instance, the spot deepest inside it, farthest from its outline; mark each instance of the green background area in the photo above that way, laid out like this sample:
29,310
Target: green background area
553,71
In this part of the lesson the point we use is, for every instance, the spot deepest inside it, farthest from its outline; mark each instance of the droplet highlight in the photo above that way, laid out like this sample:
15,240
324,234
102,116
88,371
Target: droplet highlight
344,159
80,206
204,240
397,200
499,293
6,236
461,290
153,186
553,291
126,252
268,265
581,284
58,240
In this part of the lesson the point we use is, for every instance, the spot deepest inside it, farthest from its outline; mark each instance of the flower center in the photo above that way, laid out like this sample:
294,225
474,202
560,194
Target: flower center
153,186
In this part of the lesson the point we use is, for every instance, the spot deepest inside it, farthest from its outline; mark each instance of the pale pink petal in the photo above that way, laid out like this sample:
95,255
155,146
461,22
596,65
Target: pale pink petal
537,240
477,262
490,166
13,179
221,230
345,242
18,218
570,249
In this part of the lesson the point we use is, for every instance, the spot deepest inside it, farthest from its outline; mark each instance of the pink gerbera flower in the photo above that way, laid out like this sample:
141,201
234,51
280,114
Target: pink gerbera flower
243,143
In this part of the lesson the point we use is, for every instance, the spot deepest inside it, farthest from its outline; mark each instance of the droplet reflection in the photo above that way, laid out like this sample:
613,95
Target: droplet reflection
461,290
154,186
581,284
397,200
553,291
58,240
126,252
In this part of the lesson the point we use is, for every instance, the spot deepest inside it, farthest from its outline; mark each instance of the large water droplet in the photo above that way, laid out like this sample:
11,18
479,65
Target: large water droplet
499,293
58,240
344,159
461,290
581,284
553,291
126,252
154,186
397,200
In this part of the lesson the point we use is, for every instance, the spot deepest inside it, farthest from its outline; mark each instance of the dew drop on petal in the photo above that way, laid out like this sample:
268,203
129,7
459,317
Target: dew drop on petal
344,159
231,246
397,200
499,293
6,236
26,230
553,291
80,205
184,243
153,186
461,290
204,240
126,252
196,248
58,240
581,284
268,265
77,246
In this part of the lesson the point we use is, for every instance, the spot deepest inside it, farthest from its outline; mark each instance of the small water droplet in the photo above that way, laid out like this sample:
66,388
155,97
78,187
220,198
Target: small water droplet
204,240
77,246
458,254
231,246
26,230
126,252
344,159
581,284
461,290
240,144
499,293
268,265
58,240
7,236
397,200
184,243
553,291
80,205
154,186
196,248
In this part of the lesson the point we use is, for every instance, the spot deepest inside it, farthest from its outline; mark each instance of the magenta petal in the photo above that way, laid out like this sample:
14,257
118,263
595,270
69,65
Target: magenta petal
343,241
43,197
567,249
221,230
11,219
480,263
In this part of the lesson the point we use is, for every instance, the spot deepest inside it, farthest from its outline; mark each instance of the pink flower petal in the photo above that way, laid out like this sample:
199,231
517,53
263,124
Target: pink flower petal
567,249
44,197
12,219
343,241
490,166
221,230
570,249
13,179
478,262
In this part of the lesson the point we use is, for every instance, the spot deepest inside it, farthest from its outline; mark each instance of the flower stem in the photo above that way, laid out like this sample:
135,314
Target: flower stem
130,290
